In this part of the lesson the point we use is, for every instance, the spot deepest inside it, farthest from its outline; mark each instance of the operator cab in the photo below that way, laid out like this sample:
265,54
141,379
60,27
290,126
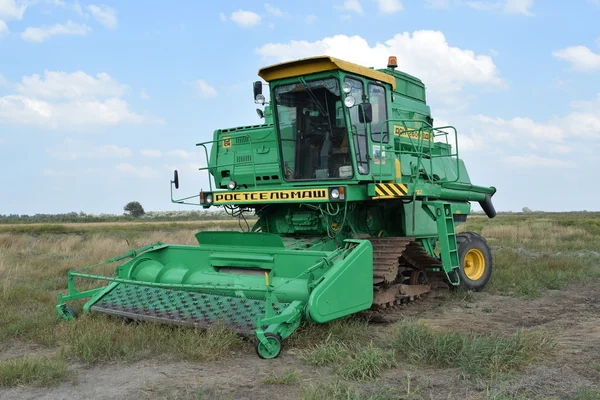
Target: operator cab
312,129
324,110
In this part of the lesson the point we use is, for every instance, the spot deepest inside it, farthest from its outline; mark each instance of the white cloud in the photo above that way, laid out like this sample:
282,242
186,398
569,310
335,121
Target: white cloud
3,28
580,57
390,6
188,167
533,161
51,172
56,3
78,10
222,17
426,54
560,135
144,95
513,131
72,150
274,11
507,6
519,7
43,33
3,81
594,2
346,17
437,3
182,154
204,89
12,9
559,148
75,100
75,85
140,172
584,121
22,110
310,19
111,150
105,15
352,5
245,19
150,153
471,143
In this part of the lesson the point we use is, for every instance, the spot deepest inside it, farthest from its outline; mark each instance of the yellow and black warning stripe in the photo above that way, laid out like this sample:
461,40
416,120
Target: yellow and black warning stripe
390,190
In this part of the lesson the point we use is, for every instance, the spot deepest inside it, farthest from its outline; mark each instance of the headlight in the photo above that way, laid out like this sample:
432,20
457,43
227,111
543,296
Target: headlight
337,193
349,101
232,184
206,198
346,87
260,99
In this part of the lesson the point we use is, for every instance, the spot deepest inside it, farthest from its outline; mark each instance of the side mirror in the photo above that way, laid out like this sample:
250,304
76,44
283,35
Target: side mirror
257,87
365,113
260,113
176,179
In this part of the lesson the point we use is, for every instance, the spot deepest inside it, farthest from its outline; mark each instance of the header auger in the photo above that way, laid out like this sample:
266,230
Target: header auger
354,189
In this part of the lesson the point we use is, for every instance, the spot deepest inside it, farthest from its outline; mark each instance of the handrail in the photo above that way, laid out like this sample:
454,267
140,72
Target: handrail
418,148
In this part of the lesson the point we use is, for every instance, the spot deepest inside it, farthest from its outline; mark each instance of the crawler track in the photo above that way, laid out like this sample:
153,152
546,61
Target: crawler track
399,274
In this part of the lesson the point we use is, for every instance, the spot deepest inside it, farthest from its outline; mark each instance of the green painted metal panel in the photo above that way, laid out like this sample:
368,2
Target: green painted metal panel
251,239
347,287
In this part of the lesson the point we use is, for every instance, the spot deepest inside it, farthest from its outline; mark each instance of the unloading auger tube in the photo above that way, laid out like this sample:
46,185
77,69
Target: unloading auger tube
356,196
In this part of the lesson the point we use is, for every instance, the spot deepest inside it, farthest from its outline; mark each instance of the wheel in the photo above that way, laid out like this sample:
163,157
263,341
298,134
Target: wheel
475,258
67,312
276,346
417,277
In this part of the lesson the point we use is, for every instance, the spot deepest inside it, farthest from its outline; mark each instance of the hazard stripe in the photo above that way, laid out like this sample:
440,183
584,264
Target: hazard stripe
387,190
395,189
379,192
390,190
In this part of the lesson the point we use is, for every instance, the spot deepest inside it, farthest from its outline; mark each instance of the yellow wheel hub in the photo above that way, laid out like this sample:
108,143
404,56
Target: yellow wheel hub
474,264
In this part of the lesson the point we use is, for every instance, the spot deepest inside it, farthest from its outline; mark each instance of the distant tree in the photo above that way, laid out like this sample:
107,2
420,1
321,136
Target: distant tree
526,210
134,209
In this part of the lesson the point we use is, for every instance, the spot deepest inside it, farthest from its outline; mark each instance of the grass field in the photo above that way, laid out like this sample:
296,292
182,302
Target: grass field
533,334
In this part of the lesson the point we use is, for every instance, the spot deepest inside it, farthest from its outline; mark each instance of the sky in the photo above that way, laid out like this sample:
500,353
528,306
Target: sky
101,100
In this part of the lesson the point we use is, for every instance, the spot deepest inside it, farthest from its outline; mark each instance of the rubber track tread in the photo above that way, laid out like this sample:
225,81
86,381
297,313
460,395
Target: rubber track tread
407,253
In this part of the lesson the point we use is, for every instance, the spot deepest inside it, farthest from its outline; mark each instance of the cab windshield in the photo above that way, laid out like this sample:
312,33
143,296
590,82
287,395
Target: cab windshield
311,125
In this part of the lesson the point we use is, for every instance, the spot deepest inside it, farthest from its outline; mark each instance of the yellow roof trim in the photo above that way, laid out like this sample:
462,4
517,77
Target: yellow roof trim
305,66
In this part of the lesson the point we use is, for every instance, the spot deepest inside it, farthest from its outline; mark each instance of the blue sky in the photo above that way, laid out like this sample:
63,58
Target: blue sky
100,101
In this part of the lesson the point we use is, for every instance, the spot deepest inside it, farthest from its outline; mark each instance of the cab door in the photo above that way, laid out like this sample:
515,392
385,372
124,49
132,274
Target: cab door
358,127
381,142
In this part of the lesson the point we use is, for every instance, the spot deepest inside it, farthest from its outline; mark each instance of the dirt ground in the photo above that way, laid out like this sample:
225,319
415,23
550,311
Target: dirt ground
572,317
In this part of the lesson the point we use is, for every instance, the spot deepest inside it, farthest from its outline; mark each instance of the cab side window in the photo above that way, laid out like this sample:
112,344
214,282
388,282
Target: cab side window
378,103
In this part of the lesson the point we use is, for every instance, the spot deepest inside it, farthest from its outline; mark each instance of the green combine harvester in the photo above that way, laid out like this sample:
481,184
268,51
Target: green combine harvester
357,196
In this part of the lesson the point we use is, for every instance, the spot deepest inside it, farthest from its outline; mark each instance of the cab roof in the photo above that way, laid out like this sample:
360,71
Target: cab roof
311,65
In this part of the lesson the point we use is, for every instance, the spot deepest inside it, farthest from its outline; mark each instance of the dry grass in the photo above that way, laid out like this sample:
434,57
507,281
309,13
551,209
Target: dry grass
540,234
33,371
531,255
33,268
482,355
